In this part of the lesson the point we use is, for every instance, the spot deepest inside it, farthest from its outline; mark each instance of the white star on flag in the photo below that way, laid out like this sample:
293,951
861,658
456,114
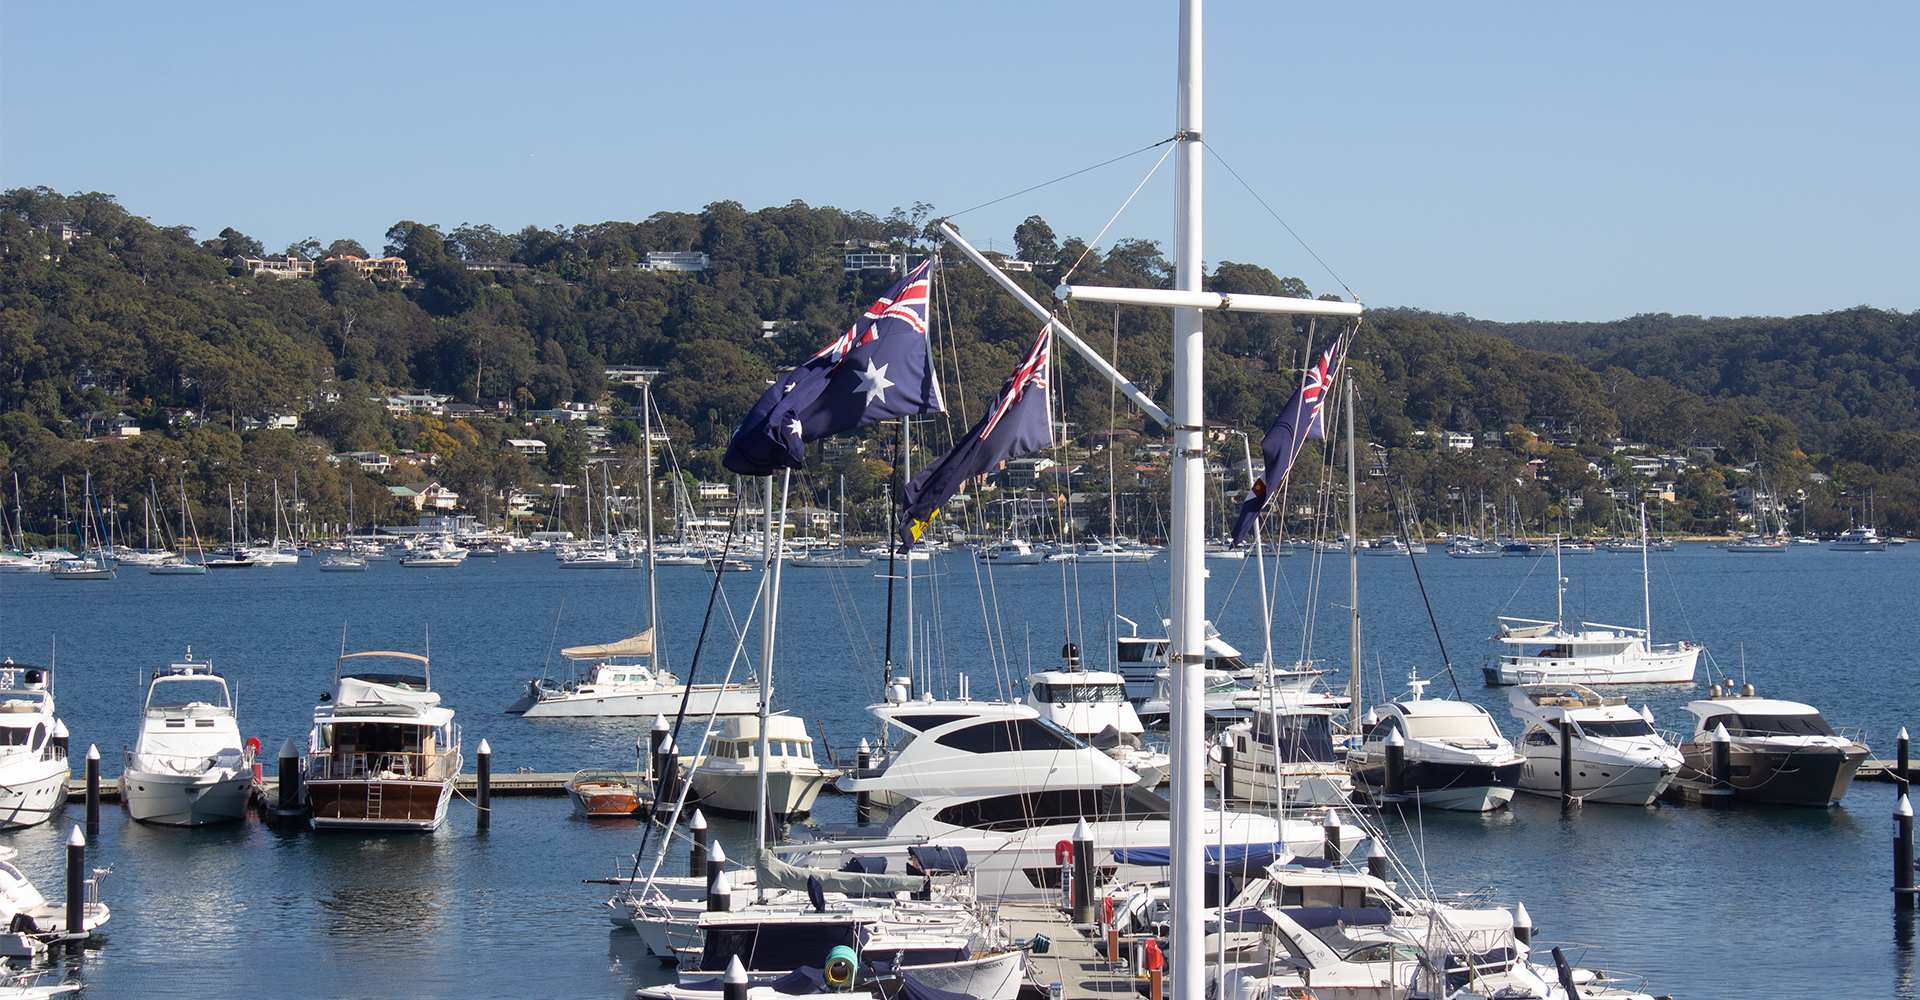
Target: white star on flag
793,427
874,383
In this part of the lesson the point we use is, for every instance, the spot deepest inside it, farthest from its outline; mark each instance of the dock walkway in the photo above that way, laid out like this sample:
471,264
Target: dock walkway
1072,960
517,783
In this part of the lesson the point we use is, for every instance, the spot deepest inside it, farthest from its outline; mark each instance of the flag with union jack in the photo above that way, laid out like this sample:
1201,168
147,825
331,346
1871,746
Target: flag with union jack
1302,418
1018,423
879,369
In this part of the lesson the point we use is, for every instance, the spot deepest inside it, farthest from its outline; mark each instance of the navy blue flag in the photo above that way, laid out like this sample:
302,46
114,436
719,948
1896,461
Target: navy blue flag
1017,424
879,369
1300,419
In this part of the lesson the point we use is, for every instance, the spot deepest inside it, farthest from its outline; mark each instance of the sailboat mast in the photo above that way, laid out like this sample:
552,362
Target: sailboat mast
1353,573
653,583
1646,580
1187,589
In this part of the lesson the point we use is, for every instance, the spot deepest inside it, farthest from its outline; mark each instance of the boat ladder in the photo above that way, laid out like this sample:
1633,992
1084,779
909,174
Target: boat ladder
373,798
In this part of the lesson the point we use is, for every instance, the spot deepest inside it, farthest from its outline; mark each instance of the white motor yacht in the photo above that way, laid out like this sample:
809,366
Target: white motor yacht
1228,698
726,778
1548,651
1286,749
33,768
188,765
1781,752
1013,552
1007,786
1093,705
1617,755
1141,659
1455,757
1865,539
383,754
623,681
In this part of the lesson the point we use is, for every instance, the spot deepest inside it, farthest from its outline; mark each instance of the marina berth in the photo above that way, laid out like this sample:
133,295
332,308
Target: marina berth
383,754
33,764
1617,756
623,680
1780,752
188,765
1451,753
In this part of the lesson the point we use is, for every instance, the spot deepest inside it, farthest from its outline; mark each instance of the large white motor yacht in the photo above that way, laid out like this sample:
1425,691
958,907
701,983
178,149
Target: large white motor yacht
33,767
1455,757
624,681
1285,751
1781,751
1859,540
383,754
188,765
1617,755
726,778
1603,654
1007,786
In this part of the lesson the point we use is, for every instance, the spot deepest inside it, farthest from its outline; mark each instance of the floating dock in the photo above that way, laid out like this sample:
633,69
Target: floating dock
1074,958
515,783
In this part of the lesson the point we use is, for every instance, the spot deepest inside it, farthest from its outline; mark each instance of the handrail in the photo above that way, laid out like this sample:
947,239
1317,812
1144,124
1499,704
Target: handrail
333,765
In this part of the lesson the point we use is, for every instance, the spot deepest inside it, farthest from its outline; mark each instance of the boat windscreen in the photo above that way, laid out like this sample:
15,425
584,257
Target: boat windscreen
1620,727
1779,725
1078,693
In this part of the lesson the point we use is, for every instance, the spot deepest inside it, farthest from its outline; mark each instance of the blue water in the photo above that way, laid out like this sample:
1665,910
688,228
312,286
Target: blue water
1705,903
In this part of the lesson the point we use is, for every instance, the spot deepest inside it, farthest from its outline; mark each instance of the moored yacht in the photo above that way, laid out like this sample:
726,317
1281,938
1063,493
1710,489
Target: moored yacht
1455,757
1285,749
188,765
383,754
1617,755
1093,705
1013,552
33,766
623,680
727,777
1540,652
1781,752
1008,787
1865,539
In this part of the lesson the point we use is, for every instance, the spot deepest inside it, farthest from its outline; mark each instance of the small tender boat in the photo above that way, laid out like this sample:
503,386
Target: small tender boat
603,793
188,765
33,768
341,562
726,777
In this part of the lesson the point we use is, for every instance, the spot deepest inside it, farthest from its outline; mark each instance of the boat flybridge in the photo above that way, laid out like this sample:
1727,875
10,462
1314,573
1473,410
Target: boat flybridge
625,681
1454,755
1093,705
1008,786
383,754
1617,755
33,764
188,765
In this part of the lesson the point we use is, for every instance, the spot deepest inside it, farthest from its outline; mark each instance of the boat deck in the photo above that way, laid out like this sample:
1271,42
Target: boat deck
1075,959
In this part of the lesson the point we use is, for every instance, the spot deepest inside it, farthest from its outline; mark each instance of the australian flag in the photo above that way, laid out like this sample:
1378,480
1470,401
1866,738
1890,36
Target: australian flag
879,369
1017,424
1299,420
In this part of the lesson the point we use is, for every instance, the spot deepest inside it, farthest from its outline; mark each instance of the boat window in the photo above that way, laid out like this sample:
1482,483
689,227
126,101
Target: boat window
1452,727
1780,725
1006,736
1219,685
1540,738
803,750
39,735
1228,663
14,737
1061,806
1301,738
922,723
1133,652
1078,694
1622,727
1380,729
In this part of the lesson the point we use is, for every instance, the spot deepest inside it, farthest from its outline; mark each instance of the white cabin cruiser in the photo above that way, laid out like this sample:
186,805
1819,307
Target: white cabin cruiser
726,777
33,767
1007,786
1858,540
1617,755
188,765
1285,749
1605,654
1455,757
623,681
1782,752
383,754
1013,552
1141,659
1093,705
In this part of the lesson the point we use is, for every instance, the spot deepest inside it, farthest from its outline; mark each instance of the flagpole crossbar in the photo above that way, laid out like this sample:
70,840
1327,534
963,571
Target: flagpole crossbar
1204,300
1127,388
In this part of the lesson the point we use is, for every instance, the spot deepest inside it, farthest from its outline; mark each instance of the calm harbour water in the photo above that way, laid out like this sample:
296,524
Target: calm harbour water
1705,904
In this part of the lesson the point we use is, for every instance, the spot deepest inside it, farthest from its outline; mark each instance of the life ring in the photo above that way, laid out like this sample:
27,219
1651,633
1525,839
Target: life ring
1063,852
253,746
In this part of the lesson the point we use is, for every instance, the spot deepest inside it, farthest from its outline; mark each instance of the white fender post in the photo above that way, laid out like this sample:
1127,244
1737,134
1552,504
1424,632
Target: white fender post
1522,924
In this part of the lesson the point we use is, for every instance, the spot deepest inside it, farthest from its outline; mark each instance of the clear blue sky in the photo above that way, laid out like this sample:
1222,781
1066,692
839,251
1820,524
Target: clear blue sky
1509,161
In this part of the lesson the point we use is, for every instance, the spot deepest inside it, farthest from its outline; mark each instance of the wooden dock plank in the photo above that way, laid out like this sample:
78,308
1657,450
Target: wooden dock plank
517,783
1072,961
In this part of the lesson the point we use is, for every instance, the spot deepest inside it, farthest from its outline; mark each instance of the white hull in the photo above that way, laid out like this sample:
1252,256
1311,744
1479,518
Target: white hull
218,796
789,793
32,791
706,700
1595,780
1653,668
1483,798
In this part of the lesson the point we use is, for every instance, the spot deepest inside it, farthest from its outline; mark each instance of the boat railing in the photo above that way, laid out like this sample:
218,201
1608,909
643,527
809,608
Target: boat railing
180,763
440,765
